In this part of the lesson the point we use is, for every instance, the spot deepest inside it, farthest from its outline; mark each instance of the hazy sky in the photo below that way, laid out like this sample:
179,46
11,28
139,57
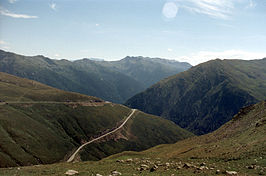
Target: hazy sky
185,30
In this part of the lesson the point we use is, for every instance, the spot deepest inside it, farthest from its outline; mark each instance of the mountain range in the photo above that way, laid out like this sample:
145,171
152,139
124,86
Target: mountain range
206,96
40,124
114,81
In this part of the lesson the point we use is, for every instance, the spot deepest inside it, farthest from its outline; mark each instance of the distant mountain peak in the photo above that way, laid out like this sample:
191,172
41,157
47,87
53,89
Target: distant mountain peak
96,59
155,59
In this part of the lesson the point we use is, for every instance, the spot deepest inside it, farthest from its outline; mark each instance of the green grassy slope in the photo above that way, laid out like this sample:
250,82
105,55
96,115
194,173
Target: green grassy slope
140,133
45,133
238,145
240,138
206,96
40,124
19,89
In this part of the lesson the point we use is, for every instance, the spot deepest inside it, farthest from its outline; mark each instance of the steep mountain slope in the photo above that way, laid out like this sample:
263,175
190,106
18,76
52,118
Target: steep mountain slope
147,70
112,81
16,89
206,96
85,77
141,132
40,124
240,138
236,148
239,145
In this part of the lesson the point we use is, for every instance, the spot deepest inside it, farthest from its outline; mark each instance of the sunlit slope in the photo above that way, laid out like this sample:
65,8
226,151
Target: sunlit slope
236,147
240,138
141,132
19,89
40,124
239,145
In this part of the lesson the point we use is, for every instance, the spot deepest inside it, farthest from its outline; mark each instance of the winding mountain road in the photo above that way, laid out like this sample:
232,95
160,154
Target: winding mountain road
71,158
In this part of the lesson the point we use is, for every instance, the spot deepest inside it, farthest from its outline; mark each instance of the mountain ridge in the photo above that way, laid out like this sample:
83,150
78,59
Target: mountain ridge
161,68
206,96
110,81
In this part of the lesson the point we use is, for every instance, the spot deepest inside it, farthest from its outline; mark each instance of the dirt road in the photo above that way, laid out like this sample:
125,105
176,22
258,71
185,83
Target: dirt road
71,158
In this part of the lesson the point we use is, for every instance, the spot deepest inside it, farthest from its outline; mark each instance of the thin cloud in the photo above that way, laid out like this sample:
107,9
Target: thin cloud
251,4
15,15
226,25
204,56
4,45
12,1
214,8
2,42
221,9
52,6
84,51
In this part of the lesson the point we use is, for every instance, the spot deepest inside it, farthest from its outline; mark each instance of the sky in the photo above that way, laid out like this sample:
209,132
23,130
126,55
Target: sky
191,31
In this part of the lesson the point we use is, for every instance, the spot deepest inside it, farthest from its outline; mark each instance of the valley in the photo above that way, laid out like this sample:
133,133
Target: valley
47,131
236,148
40,125
133,88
